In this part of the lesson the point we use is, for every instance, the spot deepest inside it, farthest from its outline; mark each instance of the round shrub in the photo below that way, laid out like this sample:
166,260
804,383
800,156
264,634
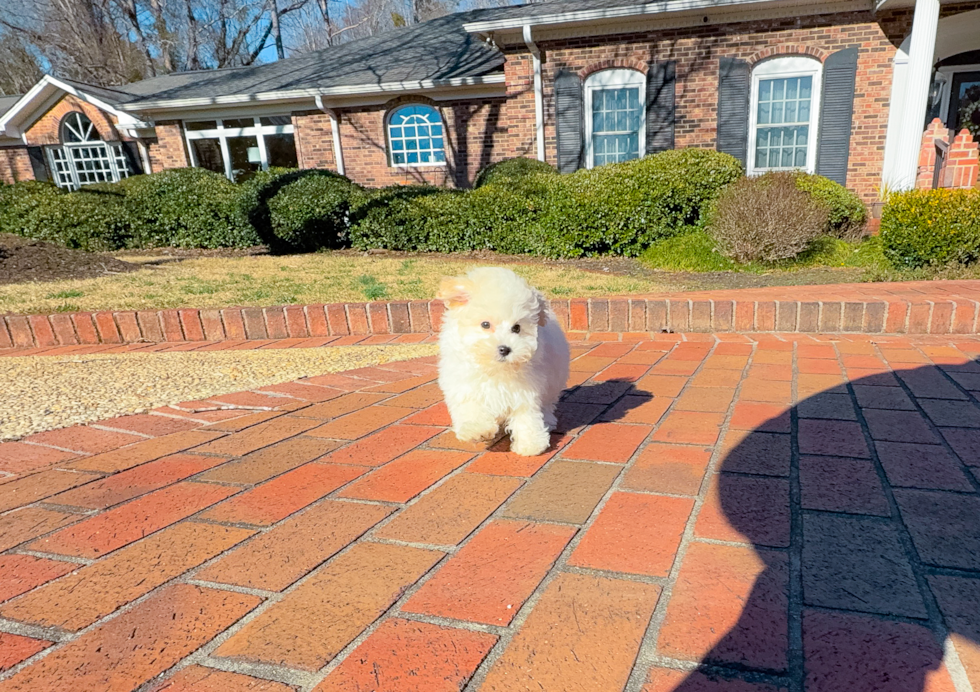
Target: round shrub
393,217
847,214
766,219
931,227
91,220
186,207
512,169
310,211
622,208
19,200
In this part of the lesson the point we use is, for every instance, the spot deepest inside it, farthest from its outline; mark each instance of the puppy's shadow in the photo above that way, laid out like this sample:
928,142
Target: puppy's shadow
587,403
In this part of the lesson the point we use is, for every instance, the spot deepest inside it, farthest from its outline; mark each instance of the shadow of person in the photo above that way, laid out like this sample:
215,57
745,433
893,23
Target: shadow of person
862,508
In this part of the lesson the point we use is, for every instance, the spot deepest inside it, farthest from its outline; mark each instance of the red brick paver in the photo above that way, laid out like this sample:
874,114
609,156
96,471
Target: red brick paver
779,511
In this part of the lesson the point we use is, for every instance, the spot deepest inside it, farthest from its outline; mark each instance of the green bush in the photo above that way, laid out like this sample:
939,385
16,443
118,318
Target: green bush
847,214
931,227
93,220
512,169
186,207
308,210
20,200
619,208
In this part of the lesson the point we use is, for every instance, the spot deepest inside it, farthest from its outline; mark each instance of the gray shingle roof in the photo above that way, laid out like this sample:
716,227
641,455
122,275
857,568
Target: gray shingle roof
7,102
439,49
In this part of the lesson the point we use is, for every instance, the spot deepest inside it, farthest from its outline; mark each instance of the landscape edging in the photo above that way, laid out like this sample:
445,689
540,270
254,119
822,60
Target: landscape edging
593,315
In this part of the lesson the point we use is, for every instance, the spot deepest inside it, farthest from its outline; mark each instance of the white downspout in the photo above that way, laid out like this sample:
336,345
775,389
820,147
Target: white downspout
538,92
338,152
925,24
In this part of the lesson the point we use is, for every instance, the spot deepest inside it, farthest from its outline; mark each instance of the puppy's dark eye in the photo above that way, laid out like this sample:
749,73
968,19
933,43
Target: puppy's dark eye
485,325
516,329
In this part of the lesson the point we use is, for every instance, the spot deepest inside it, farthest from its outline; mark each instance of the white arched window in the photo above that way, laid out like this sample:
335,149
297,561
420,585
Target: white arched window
783,115
84,158
415,136
615,110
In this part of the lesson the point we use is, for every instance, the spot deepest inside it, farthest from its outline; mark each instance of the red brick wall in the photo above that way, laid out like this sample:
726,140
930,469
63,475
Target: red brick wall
314,140
473,136
15,165
167,150
46,129
697,51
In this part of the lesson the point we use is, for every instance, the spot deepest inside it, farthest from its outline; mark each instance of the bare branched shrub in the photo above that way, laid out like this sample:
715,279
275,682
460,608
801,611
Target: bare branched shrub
766,219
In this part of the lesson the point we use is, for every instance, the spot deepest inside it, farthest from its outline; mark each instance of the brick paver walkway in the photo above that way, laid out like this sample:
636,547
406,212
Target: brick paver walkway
741,513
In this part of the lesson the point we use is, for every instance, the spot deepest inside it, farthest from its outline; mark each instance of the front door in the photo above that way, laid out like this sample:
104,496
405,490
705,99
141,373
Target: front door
964,103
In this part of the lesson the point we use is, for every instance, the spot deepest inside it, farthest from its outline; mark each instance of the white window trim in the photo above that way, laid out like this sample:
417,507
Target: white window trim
113,153
611,79
221,133
781,68
949,73
391,153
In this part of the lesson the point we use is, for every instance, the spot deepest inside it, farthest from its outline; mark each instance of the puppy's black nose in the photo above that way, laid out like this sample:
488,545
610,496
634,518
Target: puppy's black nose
504,351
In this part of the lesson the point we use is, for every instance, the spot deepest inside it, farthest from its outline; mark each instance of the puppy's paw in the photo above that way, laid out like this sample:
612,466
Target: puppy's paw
476,432
528,444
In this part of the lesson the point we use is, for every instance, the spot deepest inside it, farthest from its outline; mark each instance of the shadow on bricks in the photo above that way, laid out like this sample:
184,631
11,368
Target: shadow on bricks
843,544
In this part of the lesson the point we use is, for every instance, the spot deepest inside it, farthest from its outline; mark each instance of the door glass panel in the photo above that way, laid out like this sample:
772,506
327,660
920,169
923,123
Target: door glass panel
964,104
281,151
245,161
208,154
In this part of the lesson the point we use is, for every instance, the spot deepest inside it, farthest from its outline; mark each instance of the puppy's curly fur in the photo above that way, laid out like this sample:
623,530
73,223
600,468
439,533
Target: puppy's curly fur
503,359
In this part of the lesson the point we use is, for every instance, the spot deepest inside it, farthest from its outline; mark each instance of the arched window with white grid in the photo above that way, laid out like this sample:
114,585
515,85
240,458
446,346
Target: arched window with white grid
415,136
83,158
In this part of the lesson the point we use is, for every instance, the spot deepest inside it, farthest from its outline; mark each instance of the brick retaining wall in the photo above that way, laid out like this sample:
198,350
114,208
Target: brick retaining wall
918,312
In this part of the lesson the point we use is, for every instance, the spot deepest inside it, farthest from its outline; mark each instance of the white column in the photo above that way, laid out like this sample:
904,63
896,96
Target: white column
925,24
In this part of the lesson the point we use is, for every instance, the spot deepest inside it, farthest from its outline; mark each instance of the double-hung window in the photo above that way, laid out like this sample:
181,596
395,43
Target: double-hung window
83,158
783,115
615,110
238,147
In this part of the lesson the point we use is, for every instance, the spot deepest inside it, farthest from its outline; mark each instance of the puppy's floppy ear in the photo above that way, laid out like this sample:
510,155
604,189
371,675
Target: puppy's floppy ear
543,306
454,291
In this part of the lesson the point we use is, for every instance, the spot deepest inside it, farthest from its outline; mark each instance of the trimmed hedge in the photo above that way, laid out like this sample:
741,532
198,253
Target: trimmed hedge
619,208
310,211
186,207
92,220
931,227
20,200
512,169
847,214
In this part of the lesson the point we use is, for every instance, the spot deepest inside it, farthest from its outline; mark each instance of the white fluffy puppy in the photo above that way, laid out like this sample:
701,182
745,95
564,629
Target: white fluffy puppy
503,359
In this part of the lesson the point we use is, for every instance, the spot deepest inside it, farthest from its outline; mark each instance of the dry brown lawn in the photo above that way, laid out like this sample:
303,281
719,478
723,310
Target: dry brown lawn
269,280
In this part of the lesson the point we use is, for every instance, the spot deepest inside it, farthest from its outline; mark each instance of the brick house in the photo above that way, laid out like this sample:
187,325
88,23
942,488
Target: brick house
843,88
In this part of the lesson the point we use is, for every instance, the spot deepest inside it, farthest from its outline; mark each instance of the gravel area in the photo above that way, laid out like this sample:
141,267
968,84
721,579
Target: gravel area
43,393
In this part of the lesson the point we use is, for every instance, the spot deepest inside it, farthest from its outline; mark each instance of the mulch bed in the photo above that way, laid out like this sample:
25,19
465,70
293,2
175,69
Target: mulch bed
23,259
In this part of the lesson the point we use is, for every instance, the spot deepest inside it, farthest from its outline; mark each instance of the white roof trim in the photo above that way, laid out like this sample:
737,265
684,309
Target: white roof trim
292,94
663,7
20,112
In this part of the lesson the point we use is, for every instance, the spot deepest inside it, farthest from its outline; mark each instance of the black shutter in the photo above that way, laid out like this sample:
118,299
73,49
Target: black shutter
569,106
660,106
132,152
40,168
836,111
733,107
